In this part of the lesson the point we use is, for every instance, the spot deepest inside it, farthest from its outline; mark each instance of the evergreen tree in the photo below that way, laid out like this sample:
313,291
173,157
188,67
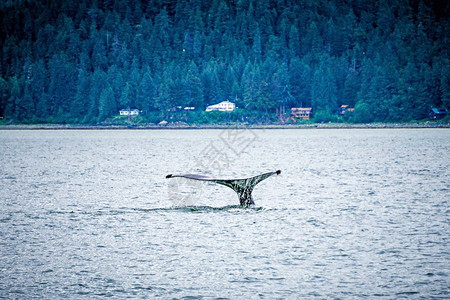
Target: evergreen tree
193,87
38,86
412,94
147,92
62,83
257,48
23,100
107,103
294,42
125,100
281,91
164,100
444,87
323,90
97,85
363,113
163,31
116,81
80,102
250,83
300,81
14,100
99,58
3,96
211,84
351,87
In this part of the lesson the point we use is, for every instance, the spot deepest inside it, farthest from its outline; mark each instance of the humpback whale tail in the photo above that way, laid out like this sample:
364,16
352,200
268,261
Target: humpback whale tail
243,187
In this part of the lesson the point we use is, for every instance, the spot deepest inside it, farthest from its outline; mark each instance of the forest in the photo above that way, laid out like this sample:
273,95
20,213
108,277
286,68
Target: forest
79,61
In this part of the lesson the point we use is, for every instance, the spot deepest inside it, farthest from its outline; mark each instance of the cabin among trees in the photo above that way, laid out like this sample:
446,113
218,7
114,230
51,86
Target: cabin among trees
300,113
222,106
343,109
437,113
129,112
80,61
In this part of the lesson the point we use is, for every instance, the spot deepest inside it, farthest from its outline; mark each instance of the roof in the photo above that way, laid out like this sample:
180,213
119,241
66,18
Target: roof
129,109
301,109
222,102
439,111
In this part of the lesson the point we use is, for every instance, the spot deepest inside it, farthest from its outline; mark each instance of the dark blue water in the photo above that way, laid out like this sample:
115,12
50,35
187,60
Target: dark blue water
354,213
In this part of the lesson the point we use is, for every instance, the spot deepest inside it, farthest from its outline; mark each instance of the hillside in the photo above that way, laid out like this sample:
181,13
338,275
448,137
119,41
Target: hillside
78,61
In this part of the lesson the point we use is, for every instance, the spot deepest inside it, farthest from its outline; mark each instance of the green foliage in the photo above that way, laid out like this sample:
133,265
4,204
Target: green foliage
324,116
362,113
218,117
81,61
107,104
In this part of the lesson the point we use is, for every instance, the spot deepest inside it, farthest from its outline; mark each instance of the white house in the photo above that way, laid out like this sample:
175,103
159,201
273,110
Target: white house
222,106
129,112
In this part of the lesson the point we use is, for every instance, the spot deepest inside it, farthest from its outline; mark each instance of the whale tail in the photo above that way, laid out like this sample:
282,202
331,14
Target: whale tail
243,187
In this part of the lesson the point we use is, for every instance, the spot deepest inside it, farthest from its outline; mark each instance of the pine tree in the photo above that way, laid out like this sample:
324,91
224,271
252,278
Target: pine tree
116,81
97,85
164,99
300,82
444,87
413,93
4,97
363,113
62,83
193,89
125,100
281,92
107,104
351,87
211,83
323,90
38,86
294,42
313,41
14,101
99,58
147,92
255,90
257,47
24,103
163,30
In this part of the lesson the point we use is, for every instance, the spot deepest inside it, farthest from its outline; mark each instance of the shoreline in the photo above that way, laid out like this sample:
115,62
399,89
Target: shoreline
225,126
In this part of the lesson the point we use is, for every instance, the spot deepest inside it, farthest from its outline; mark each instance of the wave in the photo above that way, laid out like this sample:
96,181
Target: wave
202,208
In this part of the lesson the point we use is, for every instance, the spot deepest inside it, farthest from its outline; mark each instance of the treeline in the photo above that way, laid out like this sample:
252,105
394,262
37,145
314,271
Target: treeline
81,61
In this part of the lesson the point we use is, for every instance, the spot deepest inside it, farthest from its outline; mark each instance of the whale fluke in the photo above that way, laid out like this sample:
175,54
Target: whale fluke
243,187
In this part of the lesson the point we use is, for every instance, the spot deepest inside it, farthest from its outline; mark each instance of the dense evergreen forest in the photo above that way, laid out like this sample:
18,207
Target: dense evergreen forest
80,61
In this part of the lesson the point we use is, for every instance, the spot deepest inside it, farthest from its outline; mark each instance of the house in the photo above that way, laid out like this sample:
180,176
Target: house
343,109
437,113
222,106
129,112
303,113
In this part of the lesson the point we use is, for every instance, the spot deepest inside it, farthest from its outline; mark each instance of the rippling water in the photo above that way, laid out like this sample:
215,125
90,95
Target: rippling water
354,213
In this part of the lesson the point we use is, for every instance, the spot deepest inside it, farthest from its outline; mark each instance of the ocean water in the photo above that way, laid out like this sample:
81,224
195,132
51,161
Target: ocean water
354,213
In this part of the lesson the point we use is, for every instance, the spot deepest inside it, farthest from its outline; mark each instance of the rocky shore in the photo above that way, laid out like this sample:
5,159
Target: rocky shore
224,126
